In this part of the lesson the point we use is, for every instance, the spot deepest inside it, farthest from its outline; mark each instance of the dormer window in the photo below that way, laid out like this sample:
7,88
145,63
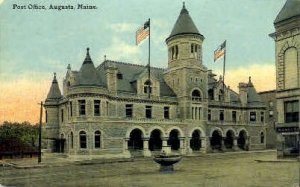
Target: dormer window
196,95
148,87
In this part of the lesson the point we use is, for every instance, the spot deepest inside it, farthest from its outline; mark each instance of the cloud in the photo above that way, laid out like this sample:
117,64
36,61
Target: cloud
124,27
263,76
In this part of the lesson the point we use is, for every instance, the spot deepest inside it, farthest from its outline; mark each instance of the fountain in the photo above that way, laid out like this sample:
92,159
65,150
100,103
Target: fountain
167,159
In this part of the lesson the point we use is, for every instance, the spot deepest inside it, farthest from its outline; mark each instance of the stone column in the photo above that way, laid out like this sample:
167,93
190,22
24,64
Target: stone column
204,145
165,147
182,145
125,147
247,143
223,148
235,144
188,145
146,151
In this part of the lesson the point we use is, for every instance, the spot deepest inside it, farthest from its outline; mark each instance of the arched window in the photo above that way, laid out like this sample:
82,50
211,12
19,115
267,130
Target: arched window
71,140
262,137
196,95
148,87
68,84
211,94
82,140
192,48
291,71
221,95
97,139
176,51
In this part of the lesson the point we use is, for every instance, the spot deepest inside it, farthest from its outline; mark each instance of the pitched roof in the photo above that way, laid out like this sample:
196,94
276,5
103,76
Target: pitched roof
54,92
87,74
290,9
130,72
184,24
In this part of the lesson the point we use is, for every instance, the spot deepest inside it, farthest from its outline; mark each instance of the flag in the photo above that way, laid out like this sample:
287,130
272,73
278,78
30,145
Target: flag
143,32
220,52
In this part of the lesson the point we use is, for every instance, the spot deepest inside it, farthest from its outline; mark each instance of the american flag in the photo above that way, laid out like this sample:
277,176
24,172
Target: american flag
142,33
220,52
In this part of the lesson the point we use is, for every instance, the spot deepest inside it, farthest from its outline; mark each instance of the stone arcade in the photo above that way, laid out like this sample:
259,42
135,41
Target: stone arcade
105,111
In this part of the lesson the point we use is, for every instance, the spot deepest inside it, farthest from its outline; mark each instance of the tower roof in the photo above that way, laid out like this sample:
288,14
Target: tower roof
184,24
253,96
290,9
54,92
87,72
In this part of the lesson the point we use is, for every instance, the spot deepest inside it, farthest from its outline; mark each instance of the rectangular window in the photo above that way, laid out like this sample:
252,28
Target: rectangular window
71,109
148,112
262,117
128,110
252,116
62,115
81,104
209,115
167,112
233,115
96,107
46,116
221,115
271,113
291,111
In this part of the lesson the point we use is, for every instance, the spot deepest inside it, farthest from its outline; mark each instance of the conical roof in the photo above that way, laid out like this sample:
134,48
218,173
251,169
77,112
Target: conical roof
184,24
87,73
253,96
54,92
290,9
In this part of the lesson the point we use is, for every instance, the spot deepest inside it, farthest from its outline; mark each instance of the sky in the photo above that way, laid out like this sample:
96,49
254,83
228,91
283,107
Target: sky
36,43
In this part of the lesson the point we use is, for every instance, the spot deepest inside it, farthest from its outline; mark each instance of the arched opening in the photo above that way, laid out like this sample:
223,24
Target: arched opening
228,142
291,71
216,140
195,142
82,140
155,141
173,140
196,95
262,138
241,141
135,140
97,139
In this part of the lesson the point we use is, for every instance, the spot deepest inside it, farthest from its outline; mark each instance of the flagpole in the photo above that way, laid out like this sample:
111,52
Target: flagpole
224,61
149,59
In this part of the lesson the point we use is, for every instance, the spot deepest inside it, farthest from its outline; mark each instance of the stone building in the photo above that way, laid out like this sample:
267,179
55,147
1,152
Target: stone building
287,54
115,110
269,98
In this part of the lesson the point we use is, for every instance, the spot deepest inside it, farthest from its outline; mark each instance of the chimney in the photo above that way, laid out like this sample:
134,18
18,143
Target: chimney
243,93
111,77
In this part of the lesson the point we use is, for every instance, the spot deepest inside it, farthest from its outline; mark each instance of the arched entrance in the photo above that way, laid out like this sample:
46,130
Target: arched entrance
241,141
135,140
195,142
228,141
216,140
155,141
173,140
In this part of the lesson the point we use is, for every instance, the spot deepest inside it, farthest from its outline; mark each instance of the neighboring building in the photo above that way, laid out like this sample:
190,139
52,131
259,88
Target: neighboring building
287,51
269,98
107,111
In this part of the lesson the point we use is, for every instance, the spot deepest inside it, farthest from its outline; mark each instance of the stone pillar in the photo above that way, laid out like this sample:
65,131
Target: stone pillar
125,147
247,143
188,145
222,144
235,144
146,151
204,145
165,147
182,146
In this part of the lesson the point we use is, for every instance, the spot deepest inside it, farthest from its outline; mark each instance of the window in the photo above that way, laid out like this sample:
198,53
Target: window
233,115
82,140
209,115
271,104
97,139
128,110
72,140
176,51
119,75
62,115
81,104
167,112
71,109
96,107
148,112
221,95
221,115
192,48
252,116
262,138
291,111
196,96
262,117
271,113
46,116
148,87
211,94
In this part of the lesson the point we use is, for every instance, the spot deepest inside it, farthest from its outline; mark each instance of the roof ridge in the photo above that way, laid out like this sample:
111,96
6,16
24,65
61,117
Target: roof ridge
127,63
